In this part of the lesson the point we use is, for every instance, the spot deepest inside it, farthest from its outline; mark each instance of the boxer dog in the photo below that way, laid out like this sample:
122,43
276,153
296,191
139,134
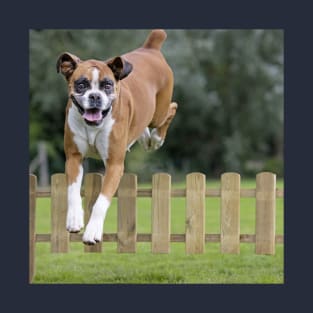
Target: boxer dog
111,105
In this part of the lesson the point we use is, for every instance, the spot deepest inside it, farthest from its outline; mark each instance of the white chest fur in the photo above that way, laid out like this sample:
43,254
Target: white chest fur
91,141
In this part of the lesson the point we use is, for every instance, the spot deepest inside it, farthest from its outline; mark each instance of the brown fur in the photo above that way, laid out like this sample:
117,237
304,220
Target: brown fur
143,99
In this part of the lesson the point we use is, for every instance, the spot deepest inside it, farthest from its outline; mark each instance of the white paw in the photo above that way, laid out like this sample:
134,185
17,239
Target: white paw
94,229
156,141
93,232
75,219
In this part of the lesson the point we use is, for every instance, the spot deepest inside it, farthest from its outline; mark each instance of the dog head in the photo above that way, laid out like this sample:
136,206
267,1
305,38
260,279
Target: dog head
93,84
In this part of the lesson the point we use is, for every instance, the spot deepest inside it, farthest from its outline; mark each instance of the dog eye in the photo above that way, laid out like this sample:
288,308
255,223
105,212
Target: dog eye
106,84
81,85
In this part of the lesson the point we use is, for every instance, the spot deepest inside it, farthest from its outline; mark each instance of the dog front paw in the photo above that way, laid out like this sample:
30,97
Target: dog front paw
94,229
75,220
93,232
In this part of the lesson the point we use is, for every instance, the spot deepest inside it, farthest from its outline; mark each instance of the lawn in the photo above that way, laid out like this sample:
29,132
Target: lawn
143,267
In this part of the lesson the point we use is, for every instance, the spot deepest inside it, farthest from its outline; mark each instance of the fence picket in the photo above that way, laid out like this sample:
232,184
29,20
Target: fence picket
265,213
230,213
126,209
195,213
92,187
161,200
32,231
59,234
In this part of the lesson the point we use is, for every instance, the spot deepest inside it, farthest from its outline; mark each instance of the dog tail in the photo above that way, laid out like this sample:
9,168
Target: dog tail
155,39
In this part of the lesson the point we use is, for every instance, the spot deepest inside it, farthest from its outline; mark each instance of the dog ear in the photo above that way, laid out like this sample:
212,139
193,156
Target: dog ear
120,67
67,63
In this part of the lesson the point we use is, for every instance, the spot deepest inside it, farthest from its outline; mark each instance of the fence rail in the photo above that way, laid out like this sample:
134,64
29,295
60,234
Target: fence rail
161,193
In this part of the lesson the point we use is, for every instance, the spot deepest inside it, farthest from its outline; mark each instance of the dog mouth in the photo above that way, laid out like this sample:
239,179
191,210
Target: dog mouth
93,116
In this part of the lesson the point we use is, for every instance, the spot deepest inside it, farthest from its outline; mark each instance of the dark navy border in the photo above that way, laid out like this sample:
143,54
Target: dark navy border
296,22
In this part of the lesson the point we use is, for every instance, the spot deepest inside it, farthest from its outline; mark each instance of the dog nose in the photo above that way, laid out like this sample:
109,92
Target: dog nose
95,100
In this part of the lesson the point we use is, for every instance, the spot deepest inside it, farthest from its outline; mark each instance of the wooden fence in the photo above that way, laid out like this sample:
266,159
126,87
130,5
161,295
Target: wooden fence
161,193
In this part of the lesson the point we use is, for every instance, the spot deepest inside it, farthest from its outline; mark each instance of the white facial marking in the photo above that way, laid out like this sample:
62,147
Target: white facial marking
94,84
95,88
94,229
75,213
95,79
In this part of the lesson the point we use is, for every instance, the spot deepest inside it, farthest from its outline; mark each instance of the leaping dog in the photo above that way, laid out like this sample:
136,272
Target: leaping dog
111,105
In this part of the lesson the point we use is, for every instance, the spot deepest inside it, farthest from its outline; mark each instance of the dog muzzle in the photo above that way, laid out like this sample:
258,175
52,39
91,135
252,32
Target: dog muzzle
93,116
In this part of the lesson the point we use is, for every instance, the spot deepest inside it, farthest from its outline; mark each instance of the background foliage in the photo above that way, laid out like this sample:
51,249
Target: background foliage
228,85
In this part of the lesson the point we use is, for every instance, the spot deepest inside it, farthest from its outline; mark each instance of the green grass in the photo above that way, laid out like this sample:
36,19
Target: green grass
143,267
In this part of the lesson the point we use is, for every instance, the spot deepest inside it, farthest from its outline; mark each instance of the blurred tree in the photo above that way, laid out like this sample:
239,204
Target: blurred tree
228,85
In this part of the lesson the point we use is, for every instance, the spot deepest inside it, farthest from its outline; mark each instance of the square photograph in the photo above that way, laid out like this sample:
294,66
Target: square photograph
156,156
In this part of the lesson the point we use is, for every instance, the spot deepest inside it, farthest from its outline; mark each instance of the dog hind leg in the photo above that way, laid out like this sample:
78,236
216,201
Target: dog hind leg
158,134
145,138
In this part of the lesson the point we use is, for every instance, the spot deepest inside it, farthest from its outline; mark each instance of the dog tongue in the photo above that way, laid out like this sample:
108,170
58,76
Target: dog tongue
92,115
